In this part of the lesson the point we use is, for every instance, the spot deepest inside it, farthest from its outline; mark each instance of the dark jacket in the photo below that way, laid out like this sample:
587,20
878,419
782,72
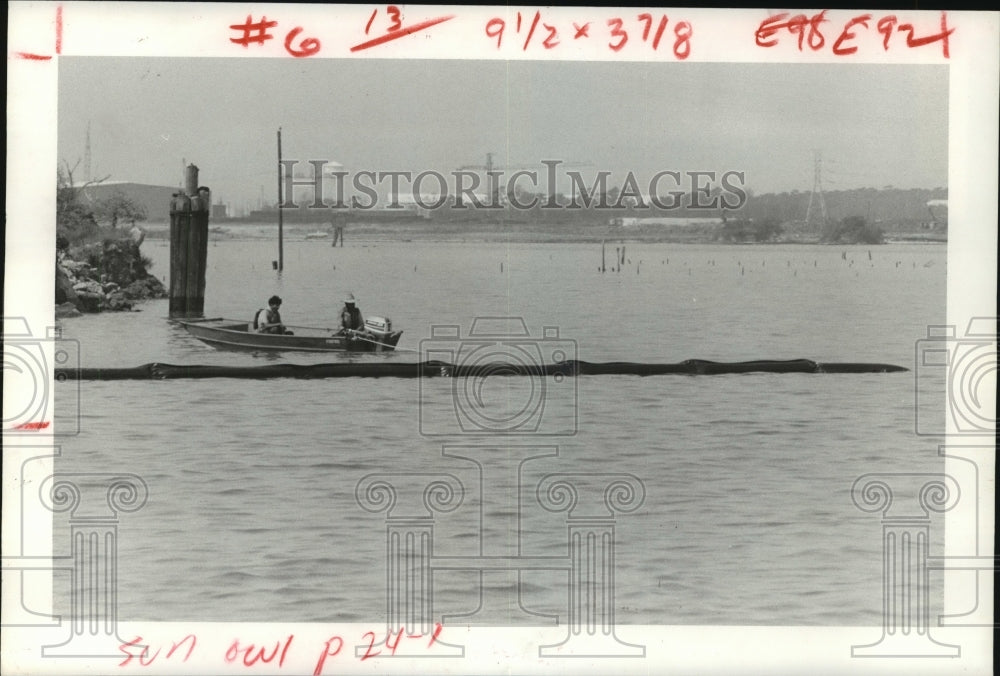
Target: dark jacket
350,318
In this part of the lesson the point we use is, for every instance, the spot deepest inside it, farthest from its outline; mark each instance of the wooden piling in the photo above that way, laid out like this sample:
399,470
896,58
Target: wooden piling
191,271
191,180
179,204
205,207
602,256
189,211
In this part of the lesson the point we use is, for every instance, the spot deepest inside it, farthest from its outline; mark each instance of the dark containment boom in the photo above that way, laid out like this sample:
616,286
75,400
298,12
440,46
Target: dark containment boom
430,369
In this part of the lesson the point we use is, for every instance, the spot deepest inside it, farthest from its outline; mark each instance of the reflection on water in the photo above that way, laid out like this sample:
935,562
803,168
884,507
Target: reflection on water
747,517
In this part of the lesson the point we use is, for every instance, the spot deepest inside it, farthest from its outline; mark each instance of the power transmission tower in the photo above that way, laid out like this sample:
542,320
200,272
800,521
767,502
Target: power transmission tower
816,196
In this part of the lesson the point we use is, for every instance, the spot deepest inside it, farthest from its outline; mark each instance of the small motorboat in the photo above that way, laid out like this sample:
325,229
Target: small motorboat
377,336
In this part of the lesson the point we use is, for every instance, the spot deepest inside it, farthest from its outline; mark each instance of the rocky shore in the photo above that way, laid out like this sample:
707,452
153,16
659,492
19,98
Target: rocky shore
107,276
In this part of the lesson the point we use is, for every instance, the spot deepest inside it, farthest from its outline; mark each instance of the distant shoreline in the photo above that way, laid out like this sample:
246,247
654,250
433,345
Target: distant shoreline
424,231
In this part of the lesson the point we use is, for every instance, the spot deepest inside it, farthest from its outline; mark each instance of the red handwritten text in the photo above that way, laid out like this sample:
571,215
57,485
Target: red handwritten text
59,29
809,32
308,46
395,19
137,652
252,656
327,652
145,659
619,32
253,31
334,644
256,32
59,33
33,425
396,30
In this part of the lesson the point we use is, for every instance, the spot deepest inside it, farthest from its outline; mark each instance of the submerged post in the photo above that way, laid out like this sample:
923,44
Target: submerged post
189,212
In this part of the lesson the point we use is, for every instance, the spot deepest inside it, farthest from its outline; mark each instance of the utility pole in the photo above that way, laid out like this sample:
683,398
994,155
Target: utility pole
281,221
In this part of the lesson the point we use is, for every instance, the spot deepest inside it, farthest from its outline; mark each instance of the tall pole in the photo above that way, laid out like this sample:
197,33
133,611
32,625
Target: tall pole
281,220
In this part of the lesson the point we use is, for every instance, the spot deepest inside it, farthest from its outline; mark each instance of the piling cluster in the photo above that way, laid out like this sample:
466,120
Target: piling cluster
189,211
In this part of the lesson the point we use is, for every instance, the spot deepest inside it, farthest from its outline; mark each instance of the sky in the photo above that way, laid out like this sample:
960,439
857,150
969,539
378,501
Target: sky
874,125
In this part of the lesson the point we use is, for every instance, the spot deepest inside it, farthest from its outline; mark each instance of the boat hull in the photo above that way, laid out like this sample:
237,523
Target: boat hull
232,335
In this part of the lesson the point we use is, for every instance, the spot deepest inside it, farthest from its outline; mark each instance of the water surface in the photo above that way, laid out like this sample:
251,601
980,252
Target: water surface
747,517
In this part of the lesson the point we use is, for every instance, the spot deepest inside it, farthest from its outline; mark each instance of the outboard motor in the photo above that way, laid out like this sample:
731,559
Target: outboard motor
380,327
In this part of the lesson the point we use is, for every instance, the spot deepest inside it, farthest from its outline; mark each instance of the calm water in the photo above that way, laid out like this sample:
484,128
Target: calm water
747,517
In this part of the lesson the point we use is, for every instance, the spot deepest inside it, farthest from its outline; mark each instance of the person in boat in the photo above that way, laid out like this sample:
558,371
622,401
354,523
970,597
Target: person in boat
269,320
350,315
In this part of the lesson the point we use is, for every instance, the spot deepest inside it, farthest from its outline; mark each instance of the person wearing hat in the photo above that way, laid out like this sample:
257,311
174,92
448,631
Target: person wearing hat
269,320
350,315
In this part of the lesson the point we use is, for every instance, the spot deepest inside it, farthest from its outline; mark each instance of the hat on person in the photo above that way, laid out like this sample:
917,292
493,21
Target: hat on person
274,300
350,298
